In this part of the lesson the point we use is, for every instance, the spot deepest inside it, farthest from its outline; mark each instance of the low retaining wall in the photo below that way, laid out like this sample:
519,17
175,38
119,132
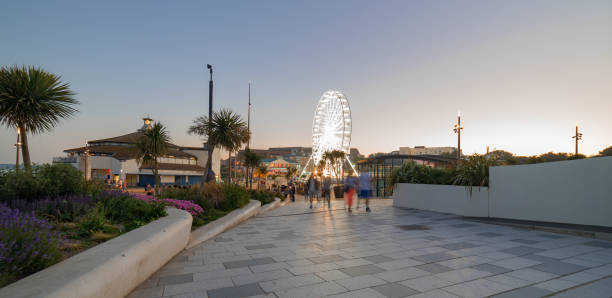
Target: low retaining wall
270,206
113,268
222,224
443,198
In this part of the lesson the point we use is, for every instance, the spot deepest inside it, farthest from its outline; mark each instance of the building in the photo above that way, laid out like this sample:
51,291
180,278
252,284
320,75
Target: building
279,166
115,158
422,150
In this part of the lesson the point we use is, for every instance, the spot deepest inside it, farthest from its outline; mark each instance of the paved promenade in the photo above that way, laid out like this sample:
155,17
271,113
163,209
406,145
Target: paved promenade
295,252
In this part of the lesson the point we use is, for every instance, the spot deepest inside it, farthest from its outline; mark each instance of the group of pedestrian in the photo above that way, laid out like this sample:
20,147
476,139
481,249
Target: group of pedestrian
361,185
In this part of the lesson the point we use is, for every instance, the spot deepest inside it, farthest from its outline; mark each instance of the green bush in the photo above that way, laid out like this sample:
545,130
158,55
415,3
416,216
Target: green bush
474,171
411,172
93,221
235,197
263,196
42,181
130,211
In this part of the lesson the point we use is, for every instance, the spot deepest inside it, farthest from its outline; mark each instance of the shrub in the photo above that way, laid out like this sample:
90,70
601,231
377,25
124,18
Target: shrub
120,207
411,172
235,197
263,196
474,171
92,222
27,244
61,208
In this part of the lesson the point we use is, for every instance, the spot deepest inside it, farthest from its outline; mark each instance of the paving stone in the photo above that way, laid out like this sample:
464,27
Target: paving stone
394,290
220,273
326,259
434,268
352,263
398,264
528,292
556,285
435,294
458,245
291,282
491,268
525,241
581,277
362,270
248,233
463,225
401,274
462,275
532,275
378,259
600,288
432,238
222,239
332,275
191,295
250,262
258,277
426,283
197,286
317,290
477,288
601,244
435,257
175,279
489,234
360,282
550,236
147,292
313,268
516,263
558,268
236,292
260,246
508,280
362,293
521,250
539,258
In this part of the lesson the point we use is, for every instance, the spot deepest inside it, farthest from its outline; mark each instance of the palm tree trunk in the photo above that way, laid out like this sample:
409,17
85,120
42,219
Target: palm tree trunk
157,181
208,166
27,163
230,166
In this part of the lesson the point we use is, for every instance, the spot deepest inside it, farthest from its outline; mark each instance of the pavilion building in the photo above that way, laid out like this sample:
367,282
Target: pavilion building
115,159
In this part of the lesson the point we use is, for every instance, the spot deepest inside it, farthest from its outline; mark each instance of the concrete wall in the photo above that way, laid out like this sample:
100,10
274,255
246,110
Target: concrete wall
113,268
574,191
443,198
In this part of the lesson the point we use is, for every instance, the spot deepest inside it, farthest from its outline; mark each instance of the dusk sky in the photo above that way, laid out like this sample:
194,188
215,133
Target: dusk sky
521,72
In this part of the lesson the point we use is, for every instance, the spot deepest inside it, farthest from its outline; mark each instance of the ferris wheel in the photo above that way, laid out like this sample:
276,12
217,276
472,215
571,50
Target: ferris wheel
331,126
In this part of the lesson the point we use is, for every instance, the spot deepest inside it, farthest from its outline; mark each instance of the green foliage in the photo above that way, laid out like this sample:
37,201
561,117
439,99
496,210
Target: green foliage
130,211
606,152
264,197
235,197
474,171
411,172
93,221
42,181
576,156
152,145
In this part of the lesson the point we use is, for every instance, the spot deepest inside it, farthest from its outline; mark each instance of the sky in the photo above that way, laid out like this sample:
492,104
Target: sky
522,73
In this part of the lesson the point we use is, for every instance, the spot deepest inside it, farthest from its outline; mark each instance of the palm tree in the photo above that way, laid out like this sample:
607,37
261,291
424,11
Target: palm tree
291,171
251,161
152,145
242,137
225,129
262,172
34,101
336,159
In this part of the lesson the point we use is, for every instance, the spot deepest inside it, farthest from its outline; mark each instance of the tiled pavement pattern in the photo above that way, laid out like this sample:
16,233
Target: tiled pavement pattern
295,252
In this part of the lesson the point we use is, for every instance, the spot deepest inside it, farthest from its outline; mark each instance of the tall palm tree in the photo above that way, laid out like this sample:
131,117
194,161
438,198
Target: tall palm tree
242,137
251,161
152,145
34,101
226,129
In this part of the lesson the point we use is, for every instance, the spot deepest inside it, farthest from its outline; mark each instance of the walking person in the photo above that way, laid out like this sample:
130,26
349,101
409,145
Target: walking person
312,188
292,191
365,189
327,191
349,189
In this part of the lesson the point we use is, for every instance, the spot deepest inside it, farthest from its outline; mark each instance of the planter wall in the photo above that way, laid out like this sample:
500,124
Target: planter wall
443,198
113,268
574,191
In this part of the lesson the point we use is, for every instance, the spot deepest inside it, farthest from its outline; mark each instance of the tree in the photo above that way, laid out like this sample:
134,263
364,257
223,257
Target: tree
291,171
261,172
152,145
336,160
606,152
33,101
225,129
251,161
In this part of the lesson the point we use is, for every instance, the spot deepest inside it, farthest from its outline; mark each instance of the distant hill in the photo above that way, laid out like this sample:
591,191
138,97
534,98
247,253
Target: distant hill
7,166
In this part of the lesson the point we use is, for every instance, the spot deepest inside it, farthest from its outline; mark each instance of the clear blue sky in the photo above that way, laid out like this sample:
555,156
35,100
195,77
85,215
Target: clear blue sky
521,72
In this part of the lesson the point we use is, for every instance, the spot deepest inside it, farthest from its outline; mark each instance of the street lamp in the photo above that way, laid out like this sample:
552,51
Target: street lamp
457,129
17,145
86,153
578,137
210,112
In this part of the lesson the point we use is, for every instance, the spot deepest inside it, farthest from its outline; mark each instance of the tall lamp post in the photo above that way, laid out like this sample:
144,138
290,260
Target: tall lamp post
578,137
17,146
210,110
457,129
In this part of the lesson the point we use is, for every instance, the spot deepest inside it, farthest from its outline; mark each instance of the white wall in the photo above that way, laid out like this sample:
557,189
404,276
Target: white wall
443,198
575,191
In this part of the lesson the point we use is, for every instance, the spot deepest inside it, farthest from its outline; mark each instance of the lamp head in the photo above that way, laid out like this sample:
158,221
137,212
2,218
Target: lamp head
208,66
